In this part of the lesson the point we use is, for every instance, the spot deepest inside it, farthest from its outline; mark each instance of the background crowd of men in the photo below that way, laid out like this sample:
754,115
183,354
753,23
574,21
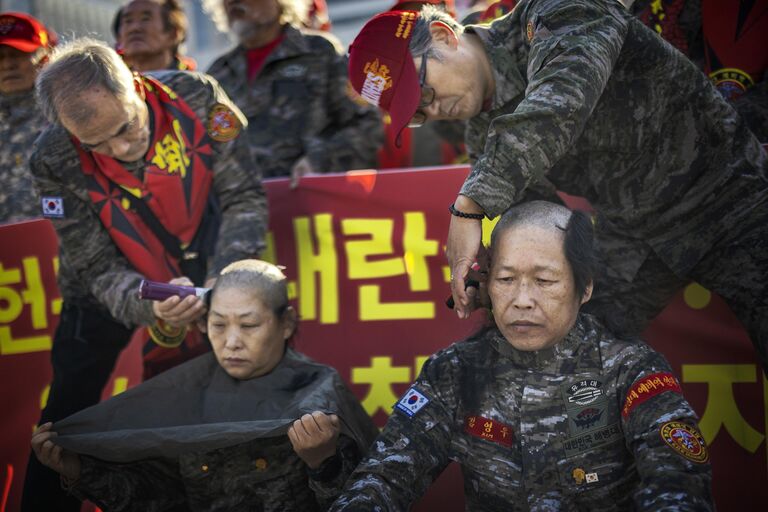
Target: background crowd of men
279,104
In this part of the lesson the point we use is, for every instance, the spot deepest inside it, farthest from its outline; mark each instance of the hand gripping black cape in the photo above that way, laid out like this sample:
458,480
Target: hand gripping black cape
197,407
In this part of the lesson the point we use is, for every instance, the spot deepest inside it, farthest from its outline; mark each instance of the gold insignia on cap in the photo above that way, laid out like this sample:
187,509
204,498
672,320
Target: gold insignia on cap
529,31
579,475
223,124
261,464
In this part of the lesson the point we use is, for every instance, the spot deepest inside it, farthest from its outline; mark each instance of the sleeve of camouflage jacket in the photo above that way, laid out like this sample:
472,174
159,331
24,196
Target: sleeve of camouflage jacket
652,408
327,491
354,132
409,453
144,486
236,182
84,245
572,54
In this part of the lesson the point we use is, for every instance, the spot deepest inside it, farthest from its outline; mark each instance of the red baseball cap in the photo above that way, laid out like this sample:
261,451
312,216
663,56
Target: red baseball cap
450,6
381,68
23,32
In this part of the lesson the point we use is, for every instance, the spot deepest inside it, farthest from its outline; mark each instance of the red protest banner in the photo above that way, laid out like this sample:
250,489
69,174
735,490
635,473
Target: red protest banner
364,257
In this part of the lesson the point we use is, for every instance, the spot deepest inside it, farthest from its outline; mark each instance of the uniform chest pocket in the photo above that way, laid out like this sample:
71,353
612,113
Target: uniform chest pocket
598,467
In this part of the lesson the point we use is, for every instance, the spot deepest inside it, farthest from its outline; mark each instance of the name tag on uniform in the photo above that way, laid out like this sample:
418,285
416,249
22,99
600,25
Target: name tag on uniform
490,430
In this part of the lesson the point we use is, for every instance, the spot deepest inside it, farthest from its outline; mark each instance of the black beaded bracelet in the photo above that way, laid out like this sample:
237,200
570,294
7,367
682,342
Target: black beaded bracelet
457,213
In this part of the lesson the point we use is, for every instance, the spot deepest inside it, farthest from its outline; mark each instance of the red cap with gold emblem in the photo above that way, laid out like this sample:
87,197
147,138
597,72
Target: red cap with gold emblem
381,69
405,5
23,32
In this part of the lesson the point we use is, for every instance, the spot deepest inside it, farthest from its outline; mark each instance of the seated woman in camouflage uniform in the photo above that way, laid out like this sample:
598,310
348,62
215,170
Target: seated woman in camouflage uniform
545,409
253,426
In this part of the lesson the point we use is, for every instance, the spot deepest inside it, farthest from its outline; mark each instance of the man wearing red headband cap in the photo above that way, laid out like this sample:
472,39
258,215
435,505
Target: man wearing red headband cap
24,45
582,94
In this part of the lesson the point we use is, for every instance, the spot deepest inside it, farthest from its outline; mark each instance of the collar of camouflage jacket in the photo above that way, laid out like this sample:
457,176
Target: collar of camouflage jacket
508,55
294,44
582,338
198,407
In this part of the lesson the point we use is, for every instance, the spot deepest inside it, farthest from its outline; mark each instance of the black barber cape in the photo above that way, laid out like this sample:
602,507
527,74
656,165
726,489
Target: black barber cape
197,407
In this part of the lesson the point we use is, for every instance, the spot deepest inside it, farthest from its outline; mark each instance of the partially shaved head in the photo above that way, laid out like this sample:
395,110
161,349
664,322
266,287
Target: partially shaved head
575,228
542,214
265,280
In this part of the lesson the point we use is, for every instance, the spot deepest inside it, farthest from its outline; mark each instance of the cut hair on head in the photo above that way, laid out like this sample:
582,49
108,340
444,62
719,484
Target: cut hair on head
293,12
421,38
76,67
264,279
578,235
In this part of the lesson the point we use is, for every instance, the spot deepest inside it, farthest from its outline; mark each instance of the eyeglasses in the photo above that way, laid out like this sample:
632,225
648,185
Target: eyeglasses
427,96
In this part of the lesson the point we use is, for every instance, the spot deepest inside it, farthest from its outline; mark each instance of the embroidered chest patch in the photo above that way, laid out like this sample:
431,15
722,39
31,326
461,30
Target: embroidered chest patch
586,406
490,430
584,392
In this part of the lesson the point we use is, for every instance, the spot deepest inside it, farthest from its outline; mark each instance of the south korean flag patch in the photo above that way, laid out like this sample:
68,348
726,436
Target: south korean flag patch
53,207
412,402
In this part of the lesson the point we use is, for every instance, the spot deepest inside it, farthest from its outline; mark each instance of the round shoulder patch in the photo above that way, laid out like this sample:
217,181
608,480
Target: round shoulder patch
223,124
685,440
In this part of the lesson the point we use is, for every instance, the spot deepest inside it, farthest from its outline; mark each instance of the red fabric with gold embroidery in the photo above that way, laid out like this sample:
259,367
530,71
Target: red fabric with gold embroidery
735,43
648,387
663,17
490,430
177,179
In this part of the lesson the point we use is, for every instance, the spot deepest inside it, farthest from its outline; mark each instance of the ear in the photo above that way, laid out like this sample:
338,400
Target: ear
443,35
137,84
290,321
587,293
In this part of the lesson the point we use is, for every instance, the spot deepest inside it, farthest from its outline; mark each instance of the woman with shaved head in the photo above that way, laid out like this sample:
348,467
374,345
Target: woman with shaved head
253,426
544,409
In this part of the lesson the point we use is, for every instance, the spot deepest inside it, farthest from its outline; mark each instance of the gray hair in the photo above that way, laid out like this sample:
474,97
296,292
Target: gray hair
294,12
78,66
575,226
263,279
421,40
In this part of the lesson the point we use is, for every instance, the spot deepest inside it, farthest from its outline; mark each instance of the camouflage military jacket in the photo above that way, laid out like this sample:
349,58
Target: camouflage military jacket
21,121
590,98
594,423
92,269
298,105
263,475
